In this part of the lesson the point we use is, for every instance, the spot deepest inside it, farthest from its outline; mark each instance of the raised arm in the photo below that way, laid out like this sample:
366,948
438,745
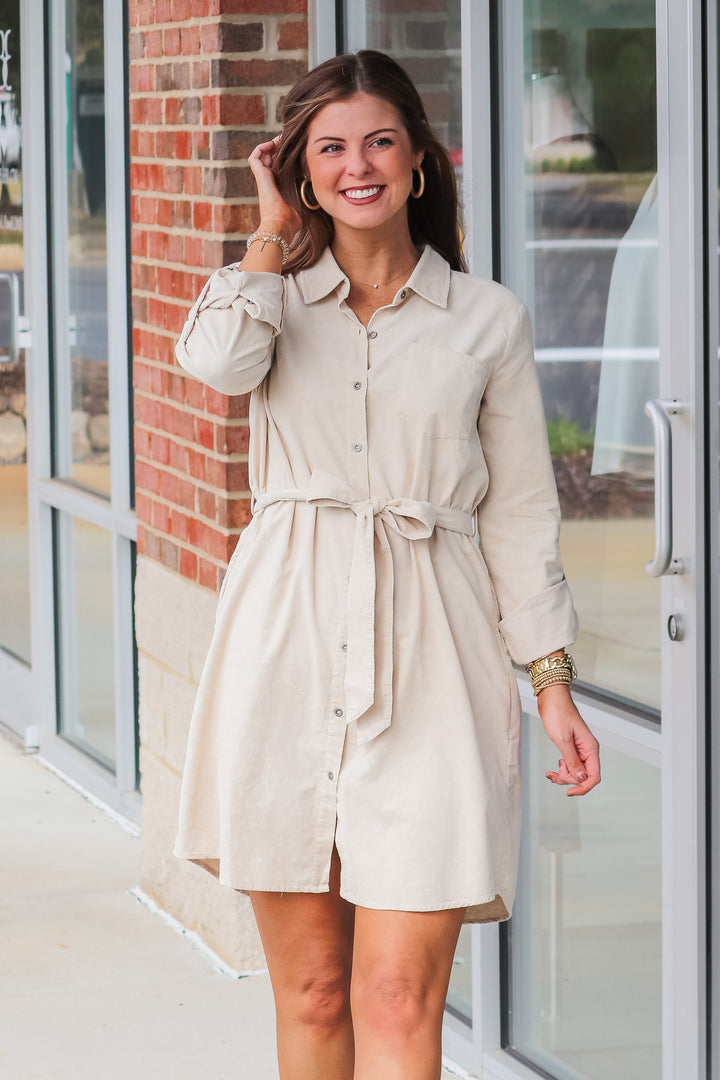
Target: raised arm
229,336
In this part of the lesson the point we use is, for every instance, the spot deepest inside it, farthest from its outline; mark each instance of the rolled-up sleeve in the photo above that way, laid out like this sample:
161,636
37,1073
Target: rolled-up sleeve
229,336
519,518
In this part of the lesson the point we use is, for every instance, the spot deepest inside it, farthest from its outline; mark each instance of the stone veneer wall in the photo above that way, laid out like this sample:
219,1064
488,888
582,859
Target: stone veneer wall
206,80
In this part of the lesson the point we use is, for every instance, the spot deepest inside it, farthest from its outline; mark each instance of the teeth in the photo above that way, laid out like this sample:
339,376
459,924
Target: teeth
361,193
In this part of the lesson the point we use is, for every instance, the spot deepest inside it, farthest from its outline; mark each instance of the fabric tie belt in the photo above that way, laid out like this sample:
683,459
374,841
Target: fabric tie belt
369,670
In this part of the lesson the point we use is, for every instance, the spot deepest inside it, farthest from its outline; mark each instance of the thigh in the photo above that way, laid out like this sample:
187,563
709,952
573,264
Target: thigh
307,937
410,951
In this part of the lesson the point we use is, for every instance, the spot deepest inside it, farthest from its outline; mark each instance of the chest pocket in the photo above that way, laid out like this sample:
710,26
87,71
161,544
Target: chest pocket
440,391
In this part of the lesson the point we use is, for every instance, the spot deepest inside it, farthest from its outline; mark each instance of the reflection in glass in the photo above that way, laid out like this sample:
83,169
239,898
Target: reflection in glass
14,543
84,553
590,277
585,941
88,462
427,44
459,997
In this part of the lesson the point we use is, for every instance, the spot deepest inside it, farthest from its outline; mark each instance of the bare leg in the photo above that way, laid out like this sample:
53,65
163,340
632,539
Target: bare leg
401,970
307,939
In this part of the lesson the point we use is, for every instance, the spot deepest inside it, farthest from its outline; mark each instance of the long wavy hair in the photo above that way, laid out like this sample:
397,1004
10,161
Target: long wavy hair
433,219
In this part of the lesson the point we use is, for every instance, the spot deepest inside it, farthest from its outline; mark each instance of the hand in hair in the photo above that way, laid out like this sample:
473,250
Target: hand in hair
275,214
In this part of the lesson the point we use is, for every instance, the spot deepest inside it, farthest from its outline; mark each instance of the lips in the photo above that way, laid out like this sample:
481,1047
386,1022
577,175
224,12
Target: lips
363,194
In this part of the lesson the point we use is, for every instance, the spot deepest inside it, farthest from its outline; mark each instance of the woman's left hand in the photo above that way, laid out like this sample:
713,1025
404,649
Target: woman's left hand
580,761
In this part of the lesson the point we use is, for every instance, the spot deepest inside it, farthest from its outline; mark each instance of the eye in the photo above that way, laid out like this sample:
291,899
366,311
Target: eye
332,147
382,140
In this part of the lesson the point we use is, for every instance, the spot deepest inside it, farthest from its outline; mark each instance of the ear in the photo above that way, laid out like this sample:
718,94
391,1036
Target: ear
418,160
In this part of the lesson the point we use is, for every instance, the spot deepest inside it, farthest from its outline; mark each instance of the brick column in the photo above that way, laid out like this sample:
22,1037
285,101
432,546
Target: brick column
206,80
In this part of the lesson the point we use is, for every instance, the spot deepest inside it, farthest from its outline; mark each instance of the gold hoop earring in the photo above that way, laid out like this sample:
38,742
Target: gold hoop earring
418,194
303,196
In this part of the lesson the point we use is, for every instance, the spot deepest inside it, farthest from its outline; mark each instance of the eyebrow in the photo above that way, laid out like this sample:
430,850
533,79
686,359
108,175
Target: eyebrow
340,138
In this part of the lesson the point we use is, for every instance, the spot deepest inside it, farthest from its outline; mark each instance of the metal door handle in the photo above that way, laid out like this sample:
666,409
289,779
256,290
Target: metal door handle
13,283
660,410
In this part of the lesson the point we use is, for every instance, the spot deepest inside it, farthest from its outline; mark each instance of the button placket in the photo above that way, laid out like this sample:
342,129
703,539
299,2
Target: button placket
357,417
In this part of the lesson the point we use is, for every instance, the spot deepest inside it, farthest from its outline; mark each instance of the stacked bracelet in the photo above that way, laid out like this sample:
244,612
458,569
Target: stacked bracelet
267,238
550,671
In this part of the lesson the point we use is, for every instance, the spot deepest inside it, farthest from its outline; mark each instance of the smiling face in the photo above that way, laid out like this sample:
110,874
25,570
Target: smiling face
360,161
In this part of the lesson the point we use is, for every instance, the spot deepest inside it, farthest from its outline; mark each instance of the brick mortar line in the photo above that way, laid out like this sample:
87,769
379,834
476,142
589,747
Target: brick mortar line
154,330
192,128
235,458
233,425
142,193
186,545
247,495
225,459
193,514
232,422
272,88
249,54
224,19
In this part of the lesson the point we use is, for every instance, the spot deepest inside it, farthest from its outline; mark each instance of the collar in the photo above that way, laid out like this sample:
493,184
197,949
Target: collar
430,278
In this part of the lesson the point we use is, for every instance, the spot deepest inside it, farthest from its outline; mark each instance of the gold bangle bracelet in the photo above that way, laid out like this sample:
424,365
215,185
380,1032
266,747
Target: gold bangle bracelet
550,670
554,680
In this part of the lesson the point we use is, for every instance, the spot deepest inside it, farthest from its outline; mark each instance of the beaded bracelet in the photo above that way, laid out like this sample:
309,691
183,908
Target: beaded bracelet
271,237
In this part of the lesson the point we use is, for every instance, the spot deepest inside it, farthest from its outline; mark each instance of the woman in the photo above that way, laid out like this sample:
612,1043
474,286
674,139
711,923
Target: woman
353,757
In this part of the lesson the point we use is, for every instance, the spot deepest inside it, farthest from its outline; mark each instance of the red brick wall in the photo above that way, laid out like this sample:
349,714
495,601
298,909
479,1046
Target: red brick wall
206,79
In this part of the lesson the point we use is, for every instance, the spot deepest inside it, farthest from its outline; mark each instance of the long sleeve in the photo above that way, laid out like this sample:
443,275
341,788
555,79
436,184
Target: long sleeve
519,518
229,336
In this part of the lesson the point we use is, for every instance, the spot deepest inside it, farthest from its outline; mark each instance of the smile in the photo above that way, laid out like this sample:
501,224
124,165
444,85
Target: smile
362,194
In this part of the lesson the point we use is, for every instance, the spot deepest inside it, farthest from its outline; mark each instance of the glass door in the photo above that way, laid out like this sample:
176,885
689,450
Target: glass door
599,106
67,527
15,622
582,162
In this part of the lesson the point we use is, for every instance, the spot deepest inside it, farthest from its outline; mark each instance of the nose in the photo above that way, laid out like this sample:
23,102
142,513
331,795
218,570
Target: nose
357,163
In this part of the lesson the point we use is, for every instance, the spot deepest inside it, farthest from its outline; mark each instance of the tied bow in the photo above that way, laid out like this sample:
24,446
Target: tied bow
369,670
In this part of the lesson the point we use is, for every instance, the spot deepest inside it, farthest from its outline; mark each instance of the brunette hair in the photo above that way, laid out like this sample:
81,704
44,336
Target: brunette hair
433,219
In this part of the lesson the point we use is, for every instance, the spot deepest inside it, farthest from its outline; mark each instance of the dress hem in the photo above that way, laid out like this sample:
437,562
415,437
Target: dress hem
205,863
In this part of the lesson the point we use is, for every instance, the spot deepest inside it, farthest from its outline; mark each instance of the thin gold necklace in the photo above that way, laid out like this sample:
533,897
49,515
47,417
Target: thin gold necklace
374,285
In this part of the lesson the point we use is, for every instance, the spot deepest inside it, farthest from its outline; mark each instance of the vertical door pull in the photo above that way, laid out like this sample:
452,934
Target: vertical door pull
12,282
660,410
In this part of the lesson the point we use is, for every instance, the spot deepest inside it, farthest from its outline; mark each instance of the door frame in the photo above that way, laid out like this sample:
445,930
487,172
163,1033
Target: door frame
33,706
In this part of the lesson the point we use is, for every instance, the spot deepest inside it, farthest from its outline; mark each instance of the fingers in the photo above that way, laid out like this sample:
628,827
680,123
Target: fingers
583,779
263,155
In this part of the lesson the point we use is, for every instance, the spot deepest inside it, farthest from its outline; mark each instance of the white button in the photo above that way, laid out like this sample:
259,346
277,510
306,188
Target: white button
338,712
372,334
344,648
357,447
358,385
331,776
403,294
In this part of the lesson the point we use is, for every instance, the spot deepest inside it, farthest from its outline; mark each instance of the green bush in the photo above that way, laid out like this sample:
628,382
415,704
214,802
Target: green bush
566,437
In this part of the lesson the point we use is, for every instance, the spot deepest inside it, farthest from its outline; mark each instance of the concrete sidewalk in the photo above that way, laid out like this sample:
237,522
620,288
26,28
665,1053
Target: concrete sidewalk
93,984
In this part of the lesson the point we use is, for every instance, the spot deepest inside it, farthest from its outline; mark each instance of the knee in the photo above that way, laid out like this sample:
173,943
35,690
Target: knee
392,1002
321,1001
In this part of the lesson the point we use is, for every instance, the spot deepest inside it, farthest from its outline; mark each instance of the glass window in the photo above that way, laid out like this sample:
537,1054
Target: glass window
83,421
85,576
585,948
14,540
587,264
425,39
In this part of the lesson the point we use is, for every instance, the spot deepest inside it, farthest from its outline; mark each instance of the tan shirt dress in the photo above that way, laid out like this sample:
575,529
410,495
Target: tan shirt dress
358,688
